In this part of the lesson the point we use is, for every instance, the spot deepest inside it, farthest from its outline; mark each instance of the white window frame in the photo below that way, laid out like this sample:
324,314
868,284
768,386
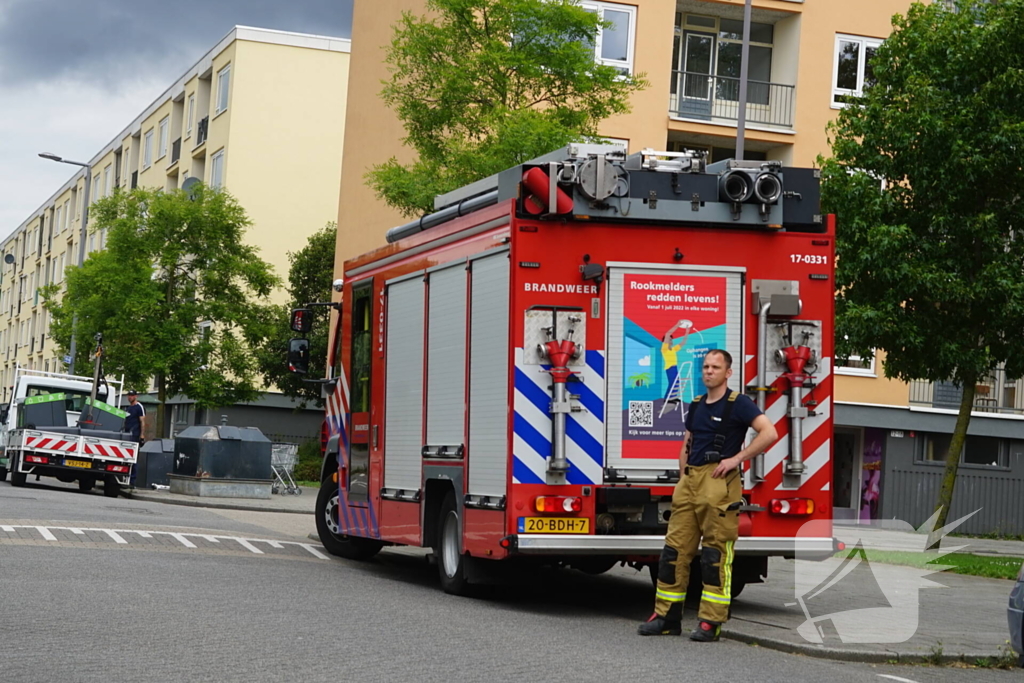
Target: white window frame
67,215
191,115
97,190
869,371
217,164
223,89
57,218
863,43
165,125
147,149
599,8
108,188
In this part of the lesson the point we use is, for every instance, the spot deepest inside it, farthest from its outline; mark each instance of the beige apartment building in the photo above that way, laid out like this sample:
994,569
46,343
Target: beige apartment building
805,59
261,114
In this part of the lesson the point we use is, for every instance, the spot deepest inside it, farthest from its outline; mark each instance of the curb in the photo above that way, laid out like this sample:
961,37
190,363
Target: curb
149,498
867,656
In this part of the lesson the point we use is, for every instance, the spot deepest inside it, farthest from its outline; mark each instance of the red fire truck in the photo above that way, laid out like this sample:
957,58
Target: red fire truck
510,374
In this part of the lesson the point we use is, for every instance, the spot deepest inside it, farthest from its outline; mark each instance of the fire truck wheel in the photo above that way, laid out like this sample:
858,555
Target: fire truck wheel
85,484
336,543
451,563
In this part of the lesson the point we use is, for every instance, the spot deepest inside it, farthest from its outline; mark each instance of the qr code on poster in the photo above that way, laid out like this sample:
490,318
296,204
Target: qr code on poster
641,413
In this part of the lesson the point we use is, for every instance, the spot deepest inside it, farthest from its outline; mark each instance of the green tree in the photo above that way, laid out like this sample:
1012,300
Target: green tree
482,85
926,180
176,295
309,280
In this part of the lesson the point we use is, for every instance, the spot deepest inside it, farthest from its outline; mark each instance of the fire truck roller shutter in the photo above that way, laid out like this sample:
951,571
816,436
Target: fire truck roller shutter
489,374
446,355
403,420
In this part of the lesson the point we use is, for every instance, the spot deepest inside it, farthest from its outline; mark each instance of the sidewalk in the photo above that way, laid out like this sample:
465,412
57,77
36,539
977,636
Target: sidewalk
963,618
302,504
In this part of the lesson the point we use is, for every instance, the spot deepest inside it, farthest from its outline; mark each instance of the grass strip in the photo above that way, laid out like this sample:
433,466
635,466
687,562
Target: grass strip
958,563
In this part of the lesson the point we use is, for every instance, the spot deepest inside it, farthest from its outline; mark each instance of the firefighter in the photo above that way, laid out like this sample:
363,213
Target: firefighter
706,502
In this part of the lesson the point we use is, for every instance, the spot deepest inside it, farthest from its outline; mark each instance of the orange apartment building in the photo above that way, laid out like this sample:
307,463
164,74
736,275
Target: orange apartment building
806,58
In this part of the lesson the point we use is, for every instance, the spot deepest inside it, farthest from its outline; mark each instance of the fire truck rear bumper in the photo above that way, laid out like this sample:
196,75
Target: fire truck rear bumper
573,544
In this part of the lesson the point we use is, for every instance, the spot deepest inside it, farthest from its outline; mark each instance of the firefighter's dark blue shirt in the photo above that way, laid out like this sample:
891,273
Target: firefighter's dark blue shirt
702,423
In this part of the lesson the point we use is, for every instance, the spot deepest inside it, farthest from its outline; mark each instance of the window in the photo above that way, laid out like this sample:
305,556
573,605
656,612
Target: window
852,73
987,451
97,190
108,188
67,214
57,218
217,169
165,122
708,50
191,114
614,44
147,150
60,267
223,83
856,365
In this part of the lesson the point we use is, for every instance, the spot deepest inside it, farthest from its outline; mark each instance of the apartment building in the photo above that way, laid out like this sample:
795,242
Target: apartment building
261,114
806,58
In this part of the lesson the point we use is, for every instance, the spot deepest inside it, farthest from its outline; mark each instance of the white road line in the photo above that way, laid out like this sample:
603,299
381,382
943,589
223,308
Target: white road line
312,549
117,538
180,538
896,678
249,546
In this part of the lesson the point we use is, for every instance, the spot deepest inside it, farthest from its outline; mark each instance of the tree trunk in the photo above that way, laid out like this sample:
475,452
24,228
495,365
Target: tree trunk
956,446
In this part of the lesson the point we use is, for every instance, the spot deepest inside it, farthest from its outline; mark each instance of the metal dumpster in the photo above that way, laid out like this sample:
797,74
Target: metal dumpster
156,461
223,461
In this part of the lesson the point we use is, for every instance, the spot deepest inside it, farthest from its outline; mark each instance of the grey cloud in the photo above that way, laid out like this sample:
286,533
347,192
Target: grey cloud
106,42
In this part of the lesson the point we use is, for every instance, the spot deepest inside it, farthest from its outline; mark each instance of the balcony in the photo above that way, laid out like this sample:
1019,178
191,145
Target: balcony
997,393
716,99
202,130
175,152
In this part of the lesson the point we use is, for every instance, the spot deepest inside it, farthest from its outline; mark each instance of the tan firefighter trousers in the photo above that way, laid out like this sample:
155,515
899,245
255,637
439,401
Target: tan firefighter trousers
705,513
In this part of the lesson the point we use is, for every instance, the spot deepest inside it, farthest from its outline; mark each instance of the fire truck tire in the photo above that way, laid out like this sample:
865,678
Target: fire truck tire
451,562
336,543
85,484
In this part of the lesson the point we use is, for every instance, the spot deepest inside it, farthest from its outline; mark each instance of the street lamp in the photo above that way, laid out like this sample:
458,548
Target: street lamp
81,240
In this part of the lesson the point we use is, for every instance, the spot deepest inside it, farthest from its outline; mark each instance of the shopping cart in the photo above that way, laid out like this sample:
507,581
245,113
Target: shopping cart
282,462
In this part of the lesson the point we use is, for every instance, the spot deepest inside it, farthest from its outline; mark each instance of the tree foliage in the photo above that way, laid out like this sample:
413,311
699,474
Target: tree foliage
173,263
309,280
482,85
930,264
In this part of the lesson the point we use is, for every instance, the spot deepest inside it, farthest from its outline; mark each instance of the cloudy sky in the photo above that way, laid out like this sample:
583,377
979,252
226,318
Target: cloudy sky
75,73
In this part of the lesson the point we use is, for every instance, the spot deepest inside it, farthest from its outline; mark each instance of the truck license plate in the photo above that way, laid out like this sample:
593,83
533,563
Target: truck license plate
554,525
77,463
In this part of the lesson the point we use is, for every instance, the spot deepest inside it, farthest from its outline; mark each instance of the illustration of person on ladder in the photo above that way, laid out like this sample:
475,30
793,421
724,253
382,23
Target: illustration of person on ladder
670,354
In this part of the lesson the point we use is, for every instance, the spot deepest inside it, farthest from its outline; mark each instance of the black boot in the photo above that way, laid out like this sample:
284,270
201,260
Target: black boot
658,625
706,632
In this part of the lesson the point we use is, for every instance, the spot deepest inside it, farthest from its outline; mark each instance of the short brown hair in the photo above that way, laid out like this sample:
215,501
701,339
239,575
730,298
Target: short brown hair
726,356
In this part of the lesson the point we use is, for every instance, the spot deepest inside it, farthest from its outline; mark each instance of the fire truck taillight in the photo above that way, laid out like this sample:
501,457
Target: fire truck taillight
117,468
791,506
558,503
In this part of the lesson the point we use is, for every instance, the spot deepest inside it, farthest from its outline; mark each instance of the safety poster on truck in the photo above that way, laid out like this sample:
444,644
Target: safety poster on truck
661,324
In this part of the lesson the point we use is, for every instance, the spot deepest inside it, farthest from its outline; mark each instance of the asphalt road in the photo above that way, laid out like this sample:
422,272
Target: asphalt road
98,589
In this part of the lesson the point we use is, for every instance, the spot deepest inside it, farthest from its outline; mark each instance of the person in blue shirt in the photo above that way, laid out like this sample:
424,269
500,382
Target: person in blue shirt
135,423
706,503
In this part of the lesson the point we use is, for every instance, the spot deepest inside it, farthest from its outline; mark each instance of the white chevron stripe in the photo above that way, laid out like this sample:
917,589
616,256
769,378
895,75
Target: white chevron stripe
826,486
593,471
812,463
532,414
529,457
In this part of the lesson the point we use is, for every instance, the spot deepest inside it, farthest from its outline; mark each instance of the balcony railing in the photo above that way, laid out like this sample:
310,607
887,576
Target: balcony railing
175,151
997,393
709,98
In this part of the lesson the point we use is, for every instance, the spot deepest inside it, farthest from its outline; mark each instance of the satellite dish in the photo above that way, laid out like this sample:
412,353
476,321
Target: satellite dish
189,185
9,258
